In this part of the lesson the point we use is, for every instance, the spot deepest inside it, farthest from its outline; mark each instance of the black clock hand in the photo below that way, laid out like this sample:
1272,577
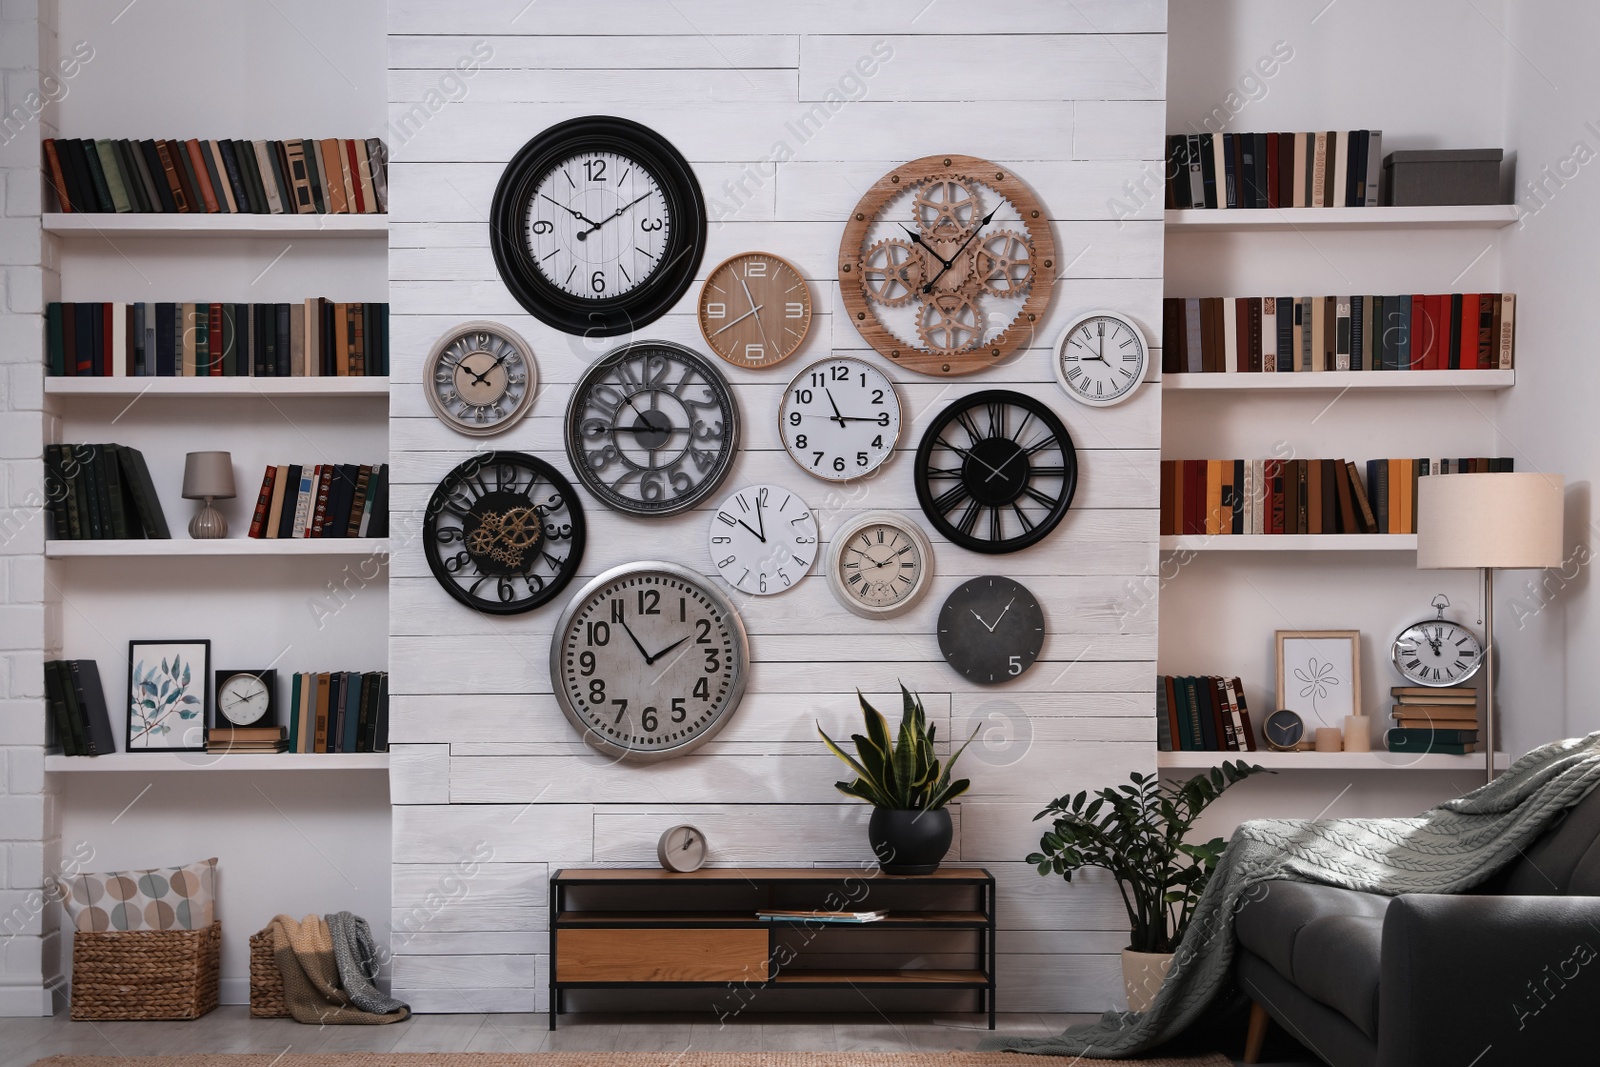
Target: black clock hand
593,226
569,211
927,286
648,660
837,417
760,521
636,644
916,238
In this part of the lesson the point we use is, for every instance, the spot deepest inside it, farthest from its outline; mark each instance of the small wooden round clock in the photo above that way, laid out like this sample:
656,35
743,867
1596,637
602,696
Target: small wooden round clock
755,310
946,265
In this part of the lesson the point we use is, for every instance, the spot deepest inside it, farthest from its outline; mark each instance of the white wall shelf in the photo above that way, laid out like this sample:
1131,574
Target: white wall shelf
1463,217
1329,381
226,546
1329,761
153,224
1290,543
219,387
140,762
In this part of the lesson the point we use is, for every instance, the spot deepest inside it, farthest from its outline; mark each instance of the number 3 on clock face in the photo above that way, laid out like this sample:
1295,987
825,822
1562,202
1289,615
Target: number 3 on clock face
1100,358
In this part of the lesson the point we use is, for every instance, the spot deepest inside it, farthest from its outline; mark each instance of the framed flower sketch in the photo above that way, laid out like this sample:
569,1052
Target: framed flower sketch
169,686
1319,674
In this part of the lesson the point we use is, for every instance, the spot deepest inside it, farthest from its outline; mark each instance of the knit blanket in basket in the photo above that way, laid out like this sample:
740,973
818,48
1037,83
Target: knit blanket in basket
313,990
1446,850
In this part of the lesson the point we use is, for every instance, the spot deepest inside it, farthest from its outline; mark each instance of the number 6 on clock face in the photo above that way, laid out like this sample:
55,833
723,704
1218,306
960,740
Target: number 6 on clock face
840,419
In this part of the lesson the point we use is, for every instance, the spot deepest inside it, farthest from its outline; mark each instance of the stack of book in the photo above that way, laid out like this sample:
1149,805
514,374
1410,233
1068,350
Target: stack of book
1338,168
1300,496
1202,714
339,711
329,176
318,338
786,915
1285,334
77,706
100,492
259,739
325,500
1434,720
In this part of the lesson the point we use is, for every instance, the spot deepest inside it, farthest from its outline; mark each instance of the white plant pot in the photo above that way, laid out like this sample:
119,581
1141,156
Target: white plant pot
1142,975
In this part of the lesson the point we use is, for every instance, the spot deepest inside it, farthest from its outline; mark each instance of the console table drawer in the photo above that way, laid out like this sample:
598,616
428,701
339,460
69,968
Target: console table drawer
656,955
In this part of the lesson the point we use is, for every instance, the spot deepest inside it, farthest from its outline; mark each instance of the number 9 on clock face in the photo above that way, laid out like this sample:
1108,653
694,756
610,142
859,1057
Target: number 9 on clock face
840,419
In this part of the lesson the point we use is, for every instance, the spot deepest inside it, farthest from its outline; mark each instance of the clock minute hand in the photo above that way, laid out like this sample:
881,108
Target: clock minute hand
593,226
636,644
740,319
927,286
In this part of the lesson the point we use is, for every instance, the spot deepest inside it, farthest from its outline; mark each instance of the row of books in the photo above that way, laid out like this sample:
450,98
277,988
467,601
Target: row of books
328,176
1281,334
77,705
319,338
784,915
1301,496
338,711
1202,714
325,500
1434,720
100,492
1338,168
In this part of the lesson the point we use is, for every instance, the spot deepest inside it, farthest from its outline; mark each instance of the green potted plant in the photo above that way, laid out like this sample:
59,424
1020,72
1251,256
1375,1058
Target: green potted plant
1137,832
905,783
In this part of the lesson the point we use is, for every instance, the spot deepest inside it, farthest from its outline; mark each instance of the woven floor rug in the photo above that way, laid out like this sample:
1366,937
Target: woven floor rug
626,1059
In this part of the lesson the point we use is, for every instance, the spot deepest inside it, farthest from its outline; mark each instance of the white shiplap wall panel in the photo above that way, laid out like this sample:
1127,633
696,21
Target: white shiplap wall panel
1070,97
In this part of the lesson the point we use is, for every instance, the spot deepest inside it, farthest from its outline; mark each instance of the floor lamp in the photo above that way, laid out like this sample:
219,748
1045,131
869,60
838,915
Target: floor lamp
1490,522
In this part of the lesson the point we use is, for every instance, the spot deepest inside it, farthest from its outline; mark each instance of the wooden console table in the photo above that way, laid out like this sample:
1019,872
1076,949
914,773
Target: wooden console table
637,928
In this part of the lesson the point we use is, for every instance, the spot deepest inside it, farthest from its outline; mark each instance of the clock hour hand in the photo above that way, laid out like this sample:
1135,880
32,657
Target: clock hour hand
986,626
916,238
569,211
648,660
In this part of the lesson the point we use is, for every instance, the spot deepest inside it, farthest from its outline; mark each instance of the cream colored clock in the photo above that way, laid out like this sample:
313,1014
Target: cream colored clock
879,564
480,378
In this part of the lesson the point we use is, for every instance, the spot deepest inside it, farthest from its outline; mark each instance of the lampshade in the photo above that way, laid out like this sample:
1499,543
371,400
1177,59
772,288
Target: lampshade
1489,520
208,474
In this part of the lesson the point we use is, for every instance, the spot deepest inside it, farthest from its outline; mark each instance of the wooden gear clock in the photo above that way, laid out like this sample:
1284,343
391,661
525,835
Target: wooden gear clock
946,265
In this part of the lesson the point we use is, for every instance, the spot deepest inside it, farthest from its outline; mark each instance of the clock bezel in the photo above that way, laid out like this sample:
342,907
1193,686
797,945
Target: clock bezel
680,257
834,564
805,331
1394,654
1061,372
736,687
436,353
954,642
888,452
268,677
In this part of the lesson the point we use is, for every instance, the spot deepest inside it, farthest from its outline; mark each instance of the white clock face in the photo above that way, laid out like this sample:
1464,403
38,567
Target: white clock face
480,378
597,225
879,565
840,419
763,539
1100,359
1437,653
243,699
648,661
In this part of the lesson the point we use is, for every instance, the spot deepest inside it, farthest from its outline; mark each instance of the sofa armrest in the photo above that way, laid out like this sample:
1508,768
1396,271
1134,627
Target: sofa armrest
1488,980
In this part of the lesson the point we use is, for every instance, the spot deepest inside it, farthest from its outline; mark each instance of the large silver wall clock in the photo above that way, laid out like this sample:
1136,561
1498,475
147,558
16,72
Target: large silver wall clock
652,428
649,661
480,378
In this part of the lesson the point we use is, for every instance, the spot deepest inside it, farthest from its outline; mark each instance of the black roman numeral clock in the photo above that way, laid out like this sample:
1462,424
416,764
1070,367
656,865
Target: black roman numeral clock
996,471
597,226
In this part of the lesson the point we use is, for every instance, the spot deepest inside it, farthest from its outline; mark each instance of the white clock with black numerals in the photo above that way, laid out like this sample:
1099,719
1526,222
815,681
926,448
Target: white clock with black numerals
840,419
879,564
763,539
1437,652
1100,358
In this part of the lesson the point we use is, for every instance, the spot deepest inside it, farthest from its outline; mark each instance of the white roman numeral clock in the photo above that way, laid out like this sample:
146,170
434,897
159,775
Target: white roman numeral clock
1100,358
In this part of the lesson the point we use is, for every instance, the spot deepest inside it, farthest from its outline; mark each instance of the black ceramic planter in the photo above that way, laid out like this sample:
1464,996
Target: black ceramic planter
909,841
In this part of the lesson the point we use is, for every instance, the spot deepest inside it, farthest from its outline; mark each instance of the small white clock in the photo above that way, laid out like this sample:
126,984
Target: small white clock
763,539
480,378
1100,358
840,419
245,698
879,564
682,849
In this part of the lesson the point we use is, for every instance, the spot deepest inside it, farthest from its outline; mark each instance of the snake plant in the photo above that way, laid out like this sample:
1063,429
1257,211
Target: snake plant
903,774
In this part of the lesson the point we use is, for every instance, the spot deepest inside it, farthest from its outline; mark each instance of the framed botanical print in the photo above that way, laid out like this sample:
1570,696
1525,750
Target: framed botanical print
1319,674
169,685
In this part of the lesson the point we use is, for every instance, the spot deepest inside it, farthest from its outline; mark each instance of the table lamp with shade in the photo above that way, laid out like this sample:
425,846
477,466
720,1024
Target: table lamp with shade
208,476
1489,522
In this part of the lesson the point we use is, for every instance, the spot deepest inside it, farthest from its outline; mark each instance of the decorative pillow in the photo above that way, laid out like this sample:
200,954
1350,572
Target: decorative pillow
167,898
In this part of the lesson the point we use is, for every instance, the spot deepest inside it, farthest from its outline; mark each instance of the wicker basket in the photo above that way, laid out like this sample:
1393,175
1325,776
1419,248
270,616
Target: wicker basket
145,974
266,983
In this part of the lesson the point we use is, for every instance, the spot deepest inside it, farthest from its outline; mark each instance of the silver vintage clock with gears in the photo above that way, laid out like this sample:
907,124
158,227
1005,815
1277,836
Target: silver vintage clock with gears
1437,652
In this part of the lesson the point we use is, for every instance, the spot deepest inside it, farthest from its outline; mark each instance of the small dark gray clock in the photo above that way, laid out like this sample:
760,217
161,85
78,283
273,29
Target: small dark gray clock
991,629
1284,731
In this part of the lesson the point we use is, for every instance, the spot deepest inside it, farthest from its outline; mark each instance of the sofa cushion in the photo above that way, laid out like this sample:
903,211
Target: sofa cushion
1325,940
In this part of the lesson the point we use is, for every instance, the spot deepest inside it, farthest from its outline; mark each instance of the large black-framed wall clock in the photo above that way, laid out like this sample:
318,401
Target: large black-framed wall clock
597,226
652,428
649,661
991,629
504,532
996,471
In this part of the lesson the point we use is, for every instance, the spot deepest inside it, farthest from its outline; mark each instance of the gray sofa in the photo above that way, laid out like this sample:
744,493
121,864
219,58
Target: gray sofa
1508,974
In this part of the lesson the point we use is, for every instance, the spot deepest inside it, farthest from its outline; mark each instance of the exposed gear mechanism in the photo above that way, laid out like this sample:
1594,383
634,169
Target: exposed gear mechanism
949,322
947,208
891,272
506,536
1003,263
